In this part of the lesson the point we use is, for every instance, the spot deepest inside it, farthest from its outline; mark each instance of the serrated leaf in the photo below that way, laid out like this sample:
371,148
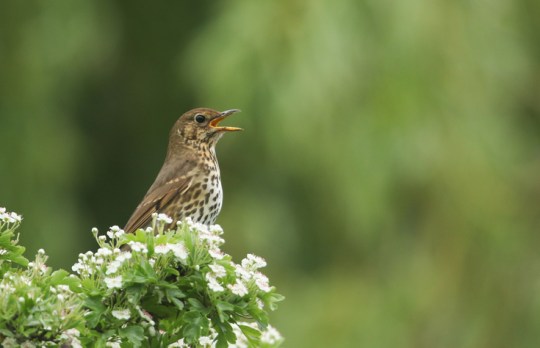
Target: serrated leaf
195,324
94,304
148,271
135,334
58,276
18,259
196,304
135,292
179,304
225,306
171,271
222,308
177,293
253,335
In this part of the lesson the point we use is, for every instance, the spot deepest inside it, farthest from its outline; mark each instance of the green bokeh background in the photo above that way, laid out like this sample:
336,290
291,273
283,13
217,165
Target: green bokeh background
388,171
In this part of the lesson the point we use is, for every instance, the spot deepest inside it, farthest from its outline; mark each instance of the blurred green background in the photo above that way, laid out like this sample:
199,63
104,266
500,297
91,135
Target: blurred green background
388,171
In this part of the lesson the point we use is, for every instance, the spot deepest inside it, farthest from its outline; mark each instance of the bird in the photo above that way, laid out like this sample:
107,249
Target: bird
189,182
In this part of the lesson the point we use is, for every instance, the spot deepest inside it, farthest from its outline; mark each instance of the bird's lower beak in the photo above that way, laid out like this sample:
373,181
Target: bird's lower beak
215,122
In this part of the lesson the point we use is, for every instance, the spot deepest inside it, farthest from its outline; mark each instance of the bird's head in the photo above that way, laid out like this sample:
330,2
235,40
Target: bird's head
201,126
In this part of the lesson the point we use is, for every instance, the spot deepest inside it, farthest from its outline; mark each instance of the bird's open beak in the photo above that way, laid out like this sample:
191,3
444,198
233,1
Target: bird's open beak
215,122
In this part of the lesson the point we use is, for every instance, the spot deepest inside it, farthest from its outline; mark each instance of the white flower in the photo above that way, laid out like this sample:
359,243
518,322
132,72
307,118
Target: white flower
137,246
113,267
123,314
103,252
102,238
179,250
270,335
260,303
60,297
213,283
218,270
124,256
41,252
14,217
262,282
3,251
242,272
113,344
164,218
76,268
211,239
110,234
72,333
9,342
238,288
178,344
162,249
215,253
253,262
114,282
189,221
71,336
216,229
205,340
98,261
63,288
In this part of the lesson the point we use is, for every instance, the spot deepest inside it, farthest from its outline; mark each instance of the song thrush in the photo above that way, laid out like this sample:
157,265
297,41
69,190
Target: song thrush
189,182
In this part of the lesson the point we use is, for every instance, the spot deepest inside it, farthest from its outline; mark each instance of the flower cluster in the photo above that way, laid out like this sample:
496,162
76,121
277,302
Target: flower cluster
155,287
270,337
9,218
46,307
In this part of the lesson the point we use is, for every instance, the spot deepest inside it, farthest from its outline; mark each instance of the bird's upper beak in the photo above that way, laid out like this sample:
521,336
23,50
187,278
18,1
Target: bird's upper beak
215,122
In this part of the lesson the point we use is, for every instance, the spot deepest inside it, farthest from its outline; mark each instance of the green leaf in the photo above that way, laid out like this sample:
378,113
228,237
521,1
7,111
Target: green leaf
57,277
150,244
173,295
18,259
135,334
223,307
148,270
73,283
195,324
179,304
171,271
225,330
135,292
196,304
96,310
177,293
253,335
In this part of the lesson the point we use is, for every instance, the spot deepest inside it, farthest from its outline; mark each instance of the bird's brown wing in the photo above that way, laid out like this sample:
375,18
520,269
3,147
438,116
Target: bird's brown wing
156,201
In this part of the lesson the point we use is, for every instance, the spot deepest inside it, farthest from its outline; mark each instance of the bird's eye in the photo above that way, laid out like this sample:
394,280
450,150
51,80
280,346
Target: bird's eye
200,118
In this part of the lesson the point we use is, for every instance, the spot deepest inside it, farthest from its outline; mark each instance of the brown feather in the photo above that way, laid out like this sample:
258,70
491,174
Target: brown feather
156,201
